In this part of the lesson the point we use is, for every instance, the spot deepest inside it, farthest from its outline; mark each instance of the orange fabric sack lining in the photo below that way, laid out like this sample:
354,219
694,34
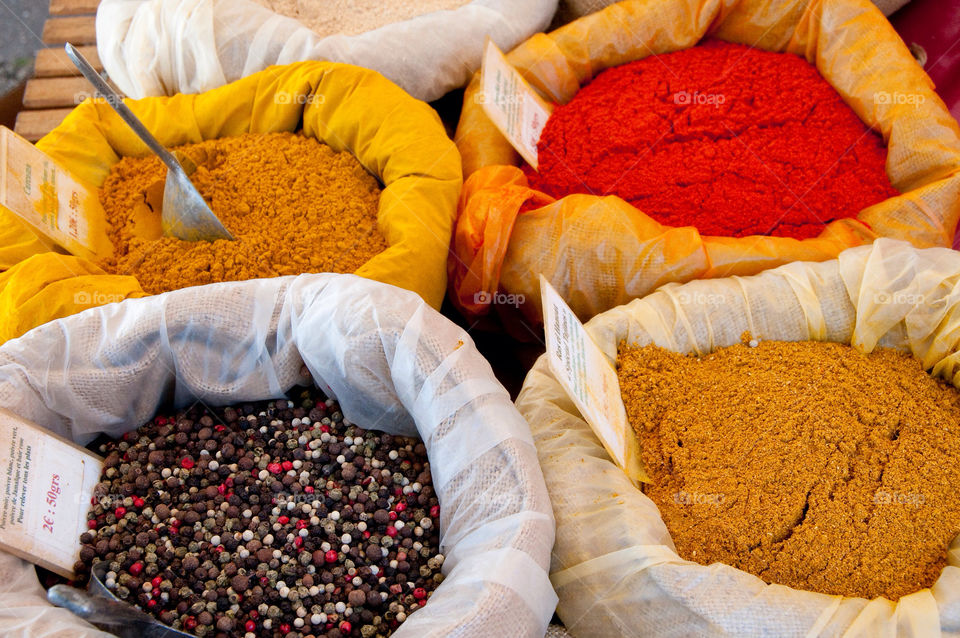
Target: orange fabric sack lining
600,252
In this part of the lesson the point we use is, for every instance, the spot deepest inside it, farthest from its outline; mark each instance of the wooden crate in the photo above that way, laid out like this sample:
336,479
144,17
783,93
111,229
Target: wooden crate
56,86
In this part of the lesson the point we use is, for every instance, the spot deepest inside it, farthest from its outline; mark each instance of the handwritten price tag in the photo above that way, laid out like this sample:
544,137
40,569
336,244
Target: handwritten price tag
45,490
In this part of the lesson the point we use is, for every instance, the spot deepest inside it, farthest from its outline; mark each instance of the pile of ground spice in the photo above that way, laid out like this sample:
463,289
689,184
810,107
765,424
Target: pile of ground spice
352,17
291,202
807,464
275,519
732,140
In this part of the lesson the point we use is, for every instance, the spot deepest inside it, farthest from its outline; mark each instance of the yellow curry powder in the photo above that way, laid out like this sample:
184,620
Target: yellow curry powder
291,202
807,464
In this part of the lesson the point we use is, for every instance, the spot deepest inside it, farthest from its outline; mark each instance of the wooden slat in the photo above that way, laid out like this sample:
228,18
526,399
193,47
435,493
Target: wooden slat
54,63
82,30
46,93
35,124
73,7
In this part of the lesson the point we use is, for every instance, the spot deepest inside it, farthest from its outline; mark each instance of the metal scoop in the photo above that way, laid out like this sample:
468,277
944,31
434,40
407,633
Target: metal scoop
185,215
100,607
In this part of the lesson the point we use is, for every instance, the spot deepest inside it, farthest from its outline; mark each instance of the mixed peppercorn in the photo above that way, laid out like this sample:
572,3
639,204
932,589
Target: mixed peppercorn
272,519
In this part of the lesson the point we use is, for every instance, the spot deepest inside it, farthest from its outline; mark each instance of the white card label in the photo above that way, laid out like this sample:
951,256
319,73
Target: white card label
50,200
589,379
46,485
511,104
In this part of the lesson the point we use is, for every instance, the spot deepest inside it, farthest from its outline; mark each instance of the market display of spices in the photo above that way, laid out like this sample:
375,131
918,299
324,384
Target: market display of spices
292,203
267,519
352,17
730,139
807,464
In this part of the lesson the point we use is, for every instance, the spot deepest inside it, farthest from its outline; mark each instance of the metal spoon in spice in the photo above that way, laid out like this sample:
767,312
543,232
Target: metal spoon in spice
184,215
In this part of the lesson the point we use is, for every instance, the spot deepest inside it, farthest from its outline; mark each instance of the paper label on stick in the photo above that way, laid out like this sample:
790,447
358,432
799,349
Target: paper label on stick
589,379
513,106
56,205
46,484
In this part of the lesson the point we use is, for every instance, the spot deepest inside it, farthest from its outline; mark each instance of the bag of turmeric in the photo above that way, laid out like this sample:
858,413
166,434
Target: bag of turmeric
600,250
398,140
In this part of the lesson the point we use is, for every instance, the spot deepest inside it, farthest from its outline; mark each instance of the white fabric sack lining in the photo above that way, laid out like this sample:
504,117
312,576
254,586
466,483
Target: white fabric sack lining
162,47
392,362
614,565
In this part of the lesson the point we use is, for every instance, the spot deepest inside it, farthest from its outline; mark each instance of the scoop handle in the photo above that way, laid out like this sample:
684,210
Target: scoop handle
94,608
116,101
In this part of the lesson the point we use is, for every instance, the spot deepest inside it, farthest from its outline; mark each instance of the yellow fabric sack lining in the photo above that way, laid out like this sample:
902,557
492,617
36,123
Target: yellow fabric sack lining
601,252
396,137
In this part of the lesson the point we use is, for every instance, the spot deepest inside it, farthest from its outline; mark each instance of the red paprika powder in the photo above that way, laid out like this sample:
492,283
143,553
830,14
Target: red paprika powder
732,140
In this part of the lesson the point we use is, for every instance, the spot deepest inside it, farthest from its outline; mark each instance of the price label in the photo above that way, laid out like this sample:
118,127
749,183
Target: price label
45,489
512,104
57,206
590,380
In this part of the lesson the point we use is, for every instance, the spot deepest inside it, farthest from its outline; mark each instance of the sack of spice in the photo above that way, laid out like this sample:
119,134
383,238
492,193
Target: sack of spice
158,47
391,362
615,566
338,108
846,70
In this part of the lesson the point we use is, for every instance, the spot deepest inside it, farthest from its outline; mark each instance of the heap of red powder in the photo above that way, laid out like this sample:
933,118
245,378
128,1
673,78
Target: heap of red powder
732,140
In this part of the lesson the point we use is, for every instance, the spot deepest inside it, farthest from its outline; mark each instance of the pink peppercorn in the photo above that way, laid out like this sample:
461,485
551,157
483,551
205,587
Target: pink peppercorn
331,556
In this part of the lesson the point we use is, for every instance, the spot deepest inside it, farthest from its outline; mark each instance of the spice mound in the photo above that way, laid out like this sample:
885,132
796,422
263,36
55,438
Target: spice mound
732,140
807,464
352,17
291,202
270,519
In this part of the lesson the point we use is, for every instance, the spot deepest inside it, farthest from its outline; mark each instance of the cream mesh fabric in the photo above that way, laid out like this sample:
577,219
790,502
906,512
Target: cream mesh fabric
392,362
161,47
614,565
